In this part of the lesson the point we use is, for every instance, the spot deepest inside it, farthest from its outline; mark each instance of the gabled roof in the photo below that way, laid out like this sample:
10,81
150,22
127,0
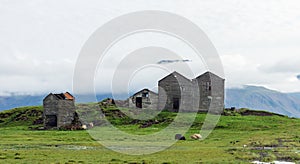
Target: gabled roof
62,96
144,90
208,73
175,74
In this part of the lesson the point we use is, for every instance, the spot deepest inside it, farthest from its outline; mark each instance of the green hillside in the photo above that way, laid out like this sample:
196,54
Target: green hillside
22,116
239,137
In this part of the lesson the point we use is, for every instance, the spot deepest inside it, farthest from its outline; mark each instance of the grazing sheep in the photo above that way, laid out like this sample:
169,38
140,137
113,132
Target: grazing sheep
91,125
196,136
84,127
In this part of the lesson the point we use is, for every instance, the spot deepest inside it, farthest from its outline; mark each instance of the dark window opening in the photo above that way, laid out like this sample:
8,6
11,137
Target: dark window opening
138,102
146,94
208,86
176,104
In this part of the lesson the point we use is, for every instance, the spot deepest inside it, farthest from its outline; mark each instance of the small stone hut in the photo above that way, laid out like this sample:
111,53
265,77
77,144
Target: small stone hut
144,99
59,110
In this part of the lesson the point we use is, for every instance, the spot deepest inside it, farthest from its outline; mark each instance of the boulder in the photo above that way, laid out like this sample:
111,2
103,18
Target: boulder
179,137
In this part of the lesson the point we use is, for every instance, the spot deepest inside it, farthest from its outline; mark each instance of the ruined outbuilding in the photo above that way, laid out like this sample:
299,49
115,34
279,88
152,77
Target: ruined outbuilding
172,89
210,87
59,110
178,92
144,99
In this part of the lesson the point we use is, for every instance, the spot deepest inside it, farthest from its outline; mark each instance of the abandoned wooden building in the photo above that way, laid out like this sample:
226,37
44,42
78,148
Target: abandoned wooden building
59,110
144,99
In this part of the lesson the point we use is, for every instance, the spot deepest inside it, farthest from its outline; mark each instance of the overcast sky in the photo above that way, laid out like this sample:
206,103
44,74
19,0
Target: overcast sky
258,41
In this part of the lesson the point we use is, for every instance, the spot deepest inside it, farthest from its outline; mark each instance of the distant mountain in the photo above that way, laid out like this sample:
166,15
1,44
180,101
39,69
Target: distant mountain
296,96
261,98
14,101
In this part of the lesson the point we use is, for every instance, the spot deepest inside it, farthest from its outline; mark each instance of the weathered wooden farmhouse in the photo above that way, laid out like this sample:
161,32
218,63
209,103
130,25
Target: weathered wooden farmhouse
144,99
59,110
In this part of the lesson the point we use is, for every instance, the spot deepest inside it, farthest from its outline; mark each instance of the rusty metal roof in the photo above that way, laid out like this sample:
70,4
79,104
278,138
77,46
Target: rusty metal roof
68,96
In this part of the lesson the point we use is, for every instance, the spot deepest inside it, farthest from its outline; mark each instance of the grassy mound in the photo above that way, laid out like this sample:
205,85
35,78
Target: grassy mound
31,115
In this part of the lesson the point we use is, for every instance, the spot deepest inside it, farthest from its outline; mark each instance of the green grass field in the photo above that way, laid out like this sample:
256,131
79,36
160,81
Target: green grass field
268,138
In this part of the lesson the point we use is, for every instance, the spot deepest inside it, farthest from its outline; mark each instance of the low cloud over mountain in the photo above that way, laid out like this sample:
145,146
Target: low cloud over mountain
173,61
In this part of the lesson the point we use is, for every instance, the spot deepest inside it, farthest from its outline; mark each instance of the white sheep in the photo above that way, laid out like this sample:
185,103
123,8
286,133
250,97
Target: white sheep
196,136
91,125
84,127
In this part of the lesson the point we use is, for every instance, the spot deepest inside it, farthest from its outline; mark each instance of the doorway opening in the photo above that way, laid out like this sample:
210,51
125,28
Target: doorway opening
176,104
51,120
138,102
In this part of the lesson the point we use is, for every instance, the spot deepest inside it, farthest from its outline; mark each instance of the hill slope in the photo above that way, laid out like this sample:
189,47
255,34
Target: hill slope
264,99
267,138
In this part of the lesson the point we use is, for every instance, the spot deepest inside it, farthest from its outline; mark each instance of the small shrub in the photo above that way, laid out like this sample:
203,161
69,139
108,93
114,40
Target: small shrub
2,157
114,160
18,157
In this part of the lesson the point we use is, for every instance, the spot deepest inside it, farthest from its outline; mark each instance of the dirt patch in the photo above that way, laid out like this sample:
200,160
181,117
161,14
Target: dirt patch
149,123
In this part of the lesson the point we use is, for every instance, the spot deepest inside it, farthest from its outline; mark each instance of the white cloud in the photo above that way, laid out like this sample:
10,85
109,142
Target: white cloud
288,65
240,70
40,40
